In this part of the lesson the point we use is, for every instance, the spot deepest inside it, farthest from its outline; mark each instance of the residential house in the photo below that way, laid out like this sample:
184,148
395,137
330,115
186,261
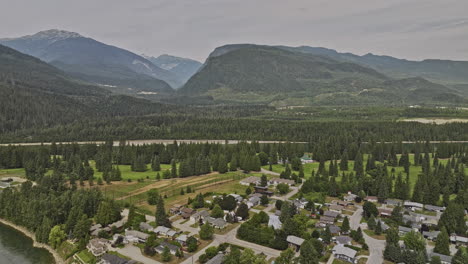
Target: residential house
182,239
250,180
114,259
97,246
186,212
372,199
172,248
336,208
253,201
334,230
434,208
300,203
431,235
276,181
306,159
385,212
95,229
326,220
333,214
393,202
350,197
384,226
218,223
263,190
238,198
402,230
175,209
413,206
295,242
119,224
136,236
146,227
343,240
344,253
459,240
275,222
444,259
199,216
218,259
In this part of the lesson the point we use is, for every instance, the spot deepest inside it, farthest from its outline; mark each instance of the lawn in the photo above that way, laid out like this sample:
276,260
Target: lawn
87,257
13,173
127,173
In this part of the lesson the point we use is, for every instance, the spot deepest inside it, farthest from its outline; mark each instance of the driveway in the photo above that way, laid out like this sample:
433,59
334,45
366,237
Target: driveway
262,170
134,253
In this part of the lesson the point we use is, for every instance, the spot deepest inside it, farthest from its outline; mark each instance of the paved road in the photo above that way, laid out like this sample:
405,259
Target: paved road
376,247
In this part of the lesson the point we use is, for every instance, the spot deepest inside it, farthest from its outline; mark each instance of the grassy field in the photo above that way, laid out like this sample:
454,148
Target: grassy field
12,173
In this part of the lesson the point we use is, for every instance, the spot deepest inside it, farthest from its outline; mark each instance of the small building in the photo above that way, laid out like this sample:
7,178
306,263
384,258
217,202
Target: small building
136,236
306,159
274,222
384,226
431,235
199,216
146,227
98,246
251,180
276,181
372,199
343,240
172,248
114,259
344,253
295,242
392,202
434,208
186,212
119,224
444,259
300,203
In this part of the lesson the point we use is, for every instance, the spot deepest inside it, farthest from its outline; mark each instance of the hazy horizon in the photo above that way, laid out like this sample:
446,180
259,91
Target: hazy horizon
413,29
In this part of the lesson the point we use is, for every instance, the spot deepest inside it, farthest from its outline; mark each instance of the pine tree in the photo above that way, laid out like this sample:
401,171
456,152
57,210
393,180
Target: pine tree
344,161
156,163
173,169
442,245
161,216
345,226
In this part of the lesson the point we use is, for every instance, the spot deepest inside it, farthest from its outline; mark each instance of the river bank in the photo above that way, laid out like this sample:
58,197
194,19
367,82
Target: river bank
57,257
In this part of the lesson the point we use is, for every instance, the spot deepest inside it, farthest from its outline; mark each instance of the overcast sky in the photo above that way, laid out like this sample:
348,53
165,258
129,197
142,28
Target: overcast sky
412,29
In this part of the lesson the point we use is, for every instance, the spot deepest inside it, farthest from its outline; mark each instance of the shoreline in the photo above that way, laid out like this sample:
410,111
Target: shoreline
55,255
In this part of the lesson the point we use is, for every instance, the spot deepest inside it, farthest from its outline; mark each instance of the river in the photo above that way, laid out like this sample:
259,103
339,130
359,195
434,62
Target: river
16,248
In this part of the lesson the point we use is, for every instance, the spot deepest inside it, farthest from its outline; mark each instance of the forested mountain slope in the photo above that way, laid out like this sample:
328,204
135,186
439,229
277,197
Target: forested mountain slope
96,62
35,94
263,74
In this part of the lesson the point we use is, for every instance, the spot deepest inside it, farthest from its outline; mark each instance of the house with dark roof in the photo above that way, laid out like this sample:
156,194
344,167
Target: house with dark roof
431,235
434,208
113,259
332,214
343,240
218,259
444,259
334,230
186,212
146,227
402,230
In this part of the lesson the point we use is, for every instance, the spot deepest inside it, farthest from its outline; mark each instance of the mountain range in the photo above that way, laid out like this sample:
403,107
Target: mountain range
248,73
111,67
280,76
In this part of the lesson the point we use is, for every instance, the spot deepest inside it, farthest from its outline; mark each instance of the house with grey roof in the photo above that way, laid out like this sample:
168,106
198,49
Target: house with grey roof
402,230
98,246
344,253
431,235
393,202
253,201
413,205
350,197
114,259
218,223
434,208
136,236
275,222
343,240
250,180
172,248
146,227
444,259
332,214
295,242
218,259
334,230
200,215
